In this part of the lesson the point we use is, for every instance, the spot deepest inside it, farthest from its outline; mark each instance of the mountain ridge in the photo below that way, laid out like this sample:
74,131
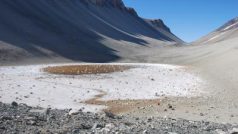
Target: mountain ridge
78,30
233,23
227,31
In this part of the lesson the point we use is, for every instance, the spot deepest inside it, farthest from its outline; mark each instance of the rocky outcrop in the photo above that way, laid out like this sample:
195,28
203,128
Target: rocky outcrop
158,23
112,3
131,11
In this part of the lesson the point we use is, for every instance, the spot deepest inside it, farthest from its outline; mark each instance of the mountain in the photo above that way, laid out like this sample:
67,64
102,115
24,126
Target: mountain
228,31
159,25
78,30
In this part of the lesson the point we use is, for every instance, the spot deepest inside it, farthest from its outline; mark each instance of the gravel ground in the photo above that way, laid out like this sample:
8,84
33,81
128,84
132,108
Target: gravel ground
20,118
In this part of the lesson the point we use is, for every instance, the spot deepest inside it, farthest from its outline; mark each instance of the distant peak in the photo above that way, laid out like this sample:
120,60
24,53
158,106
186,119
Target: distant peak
232,24
158,23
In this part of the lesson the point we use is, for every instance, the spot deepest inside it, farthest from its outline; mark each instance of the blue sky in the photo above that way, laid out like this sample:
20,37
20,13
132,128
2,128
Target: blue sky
188,19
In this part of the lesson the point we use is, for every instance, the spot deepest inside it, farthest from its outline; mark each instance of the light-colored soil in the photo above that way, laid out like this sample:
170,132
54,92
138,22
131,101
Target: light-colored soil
215,63
138,87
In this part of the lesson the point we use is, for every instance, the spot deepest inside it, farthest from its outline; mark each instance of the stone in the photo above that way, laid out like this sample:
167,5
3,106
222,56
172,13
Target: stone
110,126
6,118
234,131
128,123
156,94
2,127
26,96
47,111
110,115
15,104
170,106
31,122
30,118
145,131
75,131
86,126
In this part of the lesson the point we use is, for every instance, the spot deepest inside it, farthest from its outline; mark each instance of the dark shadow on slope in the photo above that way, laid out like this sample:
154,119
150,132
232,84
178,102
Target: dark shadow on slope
68,28
31,32
65,46
75,14
85,16
128,23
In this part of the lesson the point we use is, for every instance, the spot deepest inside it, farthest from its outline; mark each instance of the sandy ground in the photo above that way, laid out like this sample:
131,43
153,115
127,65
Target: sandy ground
141,85
217,65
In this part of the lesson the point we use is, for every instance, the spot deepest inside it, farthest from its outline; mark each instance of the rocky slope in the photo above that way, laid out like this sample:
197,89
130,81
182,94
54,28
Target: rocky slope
159,25
78,30
228,31
21,119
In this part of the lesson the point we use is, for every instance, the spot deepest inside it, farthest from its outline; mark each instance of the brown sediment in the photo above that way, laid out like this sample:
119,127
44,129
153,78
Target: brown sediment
121,106
85,69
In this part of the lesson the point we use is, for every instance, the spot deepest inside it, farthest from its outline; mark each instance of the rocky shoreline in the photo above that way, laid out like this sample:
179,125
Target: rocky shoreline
20,118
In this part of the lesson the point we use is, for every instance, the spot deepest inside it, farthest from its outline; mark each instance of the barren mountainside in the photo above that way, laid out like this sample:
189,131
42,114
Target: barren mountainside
159,25
227,31
79,30
232,24
97,66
